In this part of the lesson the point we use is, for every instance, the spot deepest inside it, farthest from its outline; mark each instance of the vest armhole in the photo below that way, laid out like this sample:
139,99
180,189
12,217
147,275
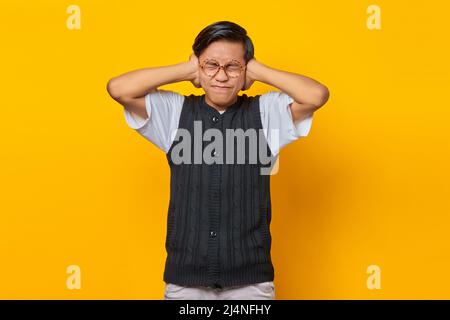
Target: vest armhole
255,107
187,102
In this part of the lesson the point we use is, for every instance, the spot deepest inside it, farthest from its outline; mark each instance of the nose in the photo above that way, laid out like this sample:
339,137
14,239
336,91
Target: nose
221,74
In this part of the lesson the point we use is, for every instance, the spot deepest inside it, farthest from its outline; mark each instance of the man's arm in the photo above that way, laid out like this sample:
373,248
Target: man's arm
129,89
308,94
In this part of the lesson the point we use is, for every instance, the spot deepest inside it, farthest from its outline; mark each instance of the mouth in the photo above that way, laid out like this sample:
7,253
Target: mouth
220,88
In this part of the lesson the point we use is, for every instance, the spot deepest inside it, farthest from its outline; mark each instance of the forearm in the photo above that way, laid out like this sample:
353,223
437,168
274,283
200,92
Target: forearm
302,89
138,83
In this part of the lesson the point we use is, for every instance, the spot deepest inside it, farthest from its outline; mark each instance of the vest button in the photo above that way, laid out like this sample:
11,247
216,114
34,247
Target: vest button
215,119
213,234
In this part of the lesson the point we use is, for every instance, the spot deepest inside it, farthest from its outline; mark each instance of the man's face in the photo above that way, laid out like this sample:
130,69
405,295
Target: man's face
225,53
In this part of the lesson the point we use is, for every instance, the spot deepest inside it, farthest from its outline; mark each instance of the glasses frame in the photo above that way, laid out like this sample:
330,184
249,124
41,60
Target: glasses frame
202,65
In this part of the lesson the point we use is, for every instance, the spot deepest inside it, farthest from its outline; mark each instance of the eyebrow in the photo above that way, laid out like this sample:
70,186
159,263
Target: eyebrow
229,61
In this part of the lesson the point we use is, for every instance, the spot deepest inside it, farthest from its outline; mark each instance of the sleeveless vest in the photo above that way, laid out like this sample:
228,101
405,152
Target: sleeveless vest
219,214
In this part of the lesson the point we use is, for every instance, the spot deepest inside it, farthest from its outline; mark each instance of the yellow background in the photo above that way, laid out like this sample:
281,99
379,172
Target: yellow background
369,185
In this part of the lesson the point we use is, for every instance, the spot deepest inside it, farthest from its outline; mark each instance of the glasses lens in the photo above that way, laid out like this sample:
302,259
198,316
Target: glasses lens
233,70
211,68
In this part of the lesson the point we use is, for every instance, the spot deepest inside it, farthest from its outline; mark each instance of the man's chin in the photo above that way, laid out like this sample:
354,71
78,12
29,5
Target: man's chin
221,99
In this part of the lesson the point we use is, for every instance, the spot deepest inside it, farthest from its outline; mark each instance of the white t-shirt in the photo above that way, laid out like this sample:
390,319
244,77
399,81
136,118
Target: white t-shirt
164,110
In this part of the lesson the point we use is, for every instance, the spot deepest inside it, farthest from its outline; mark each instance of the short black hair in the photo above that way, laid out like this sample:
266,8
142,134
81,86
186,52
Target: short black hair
223,30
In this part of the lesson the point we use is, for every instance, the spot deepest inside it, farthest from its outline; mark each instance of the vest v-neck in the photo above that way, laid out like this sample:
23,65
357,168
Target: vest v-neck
214,111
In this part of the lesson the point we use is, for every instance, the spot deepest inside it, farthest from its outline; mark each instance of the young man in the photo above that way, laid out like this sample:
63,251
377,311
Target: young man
218,237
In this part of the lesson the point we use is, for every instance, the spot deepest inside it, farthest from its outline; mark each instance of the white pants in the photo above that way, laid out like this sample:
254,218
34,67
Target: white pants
256,291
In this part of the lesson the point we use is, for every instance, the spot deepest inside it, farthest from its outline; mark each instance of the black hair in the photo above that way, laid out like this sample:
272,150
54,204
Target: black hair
223,30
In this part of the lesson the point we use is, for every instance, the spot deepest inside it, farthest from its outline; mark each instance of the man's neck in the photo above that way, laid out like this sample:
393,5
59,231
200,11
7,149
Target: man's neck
220,109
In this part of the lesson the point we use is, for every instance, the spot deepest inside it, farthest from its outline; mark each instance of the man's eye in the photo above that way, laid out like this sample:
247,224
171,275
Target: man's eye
233,67
211,65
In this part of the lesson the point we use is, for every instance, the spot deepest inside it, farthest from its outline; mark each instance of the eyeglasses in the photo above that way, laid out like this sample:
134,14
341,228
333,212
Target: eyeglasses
211,67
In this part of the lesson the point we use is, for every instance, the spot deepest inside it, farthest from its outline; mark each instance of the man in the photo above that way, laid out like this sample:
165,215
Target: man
218,237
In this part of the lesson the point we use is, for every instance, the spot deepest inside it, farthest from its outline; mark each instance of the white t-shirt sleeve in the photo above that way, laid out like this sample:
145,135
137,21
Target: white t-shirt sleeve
163,110
278,125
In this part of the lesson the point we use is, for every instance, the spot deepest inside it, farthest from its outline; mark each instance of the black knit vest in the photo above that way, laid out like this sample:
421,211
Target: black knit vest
219,215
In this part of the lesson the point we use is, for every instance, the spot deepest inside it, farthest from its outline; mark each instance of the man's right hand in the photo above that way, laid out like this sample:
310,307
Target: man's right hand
195,78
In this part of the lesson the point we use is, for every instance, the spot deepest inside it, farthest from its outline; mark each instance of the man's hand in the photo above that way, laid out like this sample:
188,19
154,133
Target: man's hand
250,74
195,78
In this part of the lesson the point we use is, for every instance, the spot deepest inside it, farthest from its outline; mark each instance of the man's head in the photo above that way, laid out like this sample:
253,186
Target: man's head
226,44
